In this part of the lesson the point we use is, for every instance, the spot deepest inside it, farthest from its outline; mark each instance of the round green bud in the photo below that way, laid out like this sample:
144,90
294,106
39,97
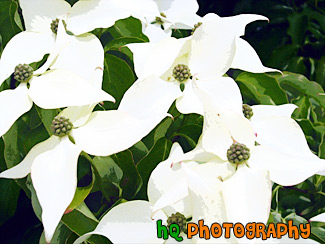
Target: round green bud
178,219
163,15
61,126
195,27
55,25
23,72
247,111
238,153
181,72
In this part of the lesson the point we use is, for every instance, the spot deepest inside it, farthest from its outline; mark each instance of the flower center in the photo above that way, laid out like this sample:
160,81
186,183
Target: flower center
195,27
247,111
238,153
181,72
23,72
61,126
178,219
55,25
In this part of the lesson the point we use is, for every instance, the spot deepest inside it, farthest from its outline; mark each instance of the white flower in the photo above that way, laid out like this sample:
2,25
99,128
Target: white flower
74,78
282,149
53,162
135,221
208,54
174,14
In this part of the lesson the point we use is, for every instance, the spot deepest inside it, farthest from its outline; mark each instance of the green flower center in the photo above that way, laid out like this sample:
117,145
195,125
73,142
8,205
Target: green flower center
238,153
23,72
178,219
61,126
247,111
159,21
195,27
55,25
181,72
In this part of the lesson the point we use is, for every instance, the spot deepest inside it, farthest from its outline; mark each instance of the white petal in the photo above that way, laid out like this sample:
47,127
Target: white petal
247,59
318,218
109,132
60,88
286,240
282,134
13,104
285,169
207,200
54,176
223,91
198,154
239,22
16,52
141,52
83,56
128,222
158,187
78,116
180,11
23,168
97,10
222,127
39,15
155,33
189,102
261,111
150,96
248,195
139,9
162,56
61,41
212,53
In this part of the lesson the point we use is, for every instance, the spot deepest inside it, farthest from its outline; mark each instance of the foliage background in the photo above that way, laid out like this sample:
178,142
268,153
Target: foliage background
293,41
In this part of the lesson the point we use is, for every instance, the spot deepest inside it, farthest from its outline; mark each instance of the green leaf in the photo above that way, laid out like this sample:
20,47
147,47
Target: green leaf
109,176
262,88
157,133
81,221
130,27
303,111
139,151
298,24
301,84
8,18
131,180
9,192
321,151
118,77
61,234
318,234
47,116
191,133
122,41
157,154
80,195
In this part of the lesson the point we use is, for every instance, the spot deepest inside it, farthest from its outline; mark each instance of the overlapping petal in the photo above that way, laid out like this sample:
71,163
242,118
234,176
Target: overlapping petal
109,132
61,88
60,162
150,96
13,104
159,188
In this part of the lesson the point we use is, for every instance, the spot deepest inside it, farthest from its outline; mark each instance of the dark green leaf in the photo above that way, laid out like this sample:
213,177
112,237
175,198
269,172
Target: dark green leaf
157,154
118,77
9,192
